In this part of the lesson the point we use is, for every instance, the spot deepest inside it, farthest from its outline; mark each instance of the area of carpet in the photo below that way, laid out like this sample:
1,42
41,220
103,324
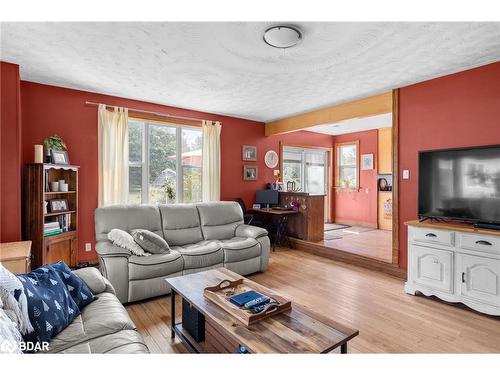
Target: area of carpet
344,232
334,226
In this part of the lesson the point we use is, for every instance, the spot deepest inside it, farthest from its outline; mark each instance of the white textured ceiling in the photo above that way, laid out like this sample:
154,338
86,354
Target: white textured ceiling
354,125
226,68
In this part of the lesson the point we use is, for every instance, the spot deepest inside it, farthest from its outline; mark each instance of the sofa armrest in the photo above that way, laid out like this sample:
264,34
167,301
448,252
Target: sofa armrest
107,249
94,280
245,230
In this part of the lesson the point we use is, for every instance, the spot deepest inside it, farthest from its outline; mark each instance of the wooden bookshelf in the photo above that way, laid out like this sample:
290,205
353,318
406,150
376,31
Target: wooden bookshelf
36,182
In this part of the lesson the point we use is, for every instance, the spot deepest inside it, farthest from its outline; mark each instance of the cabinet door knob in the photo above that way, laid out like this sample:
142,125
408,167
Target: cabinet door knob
483,242
430,235
463,277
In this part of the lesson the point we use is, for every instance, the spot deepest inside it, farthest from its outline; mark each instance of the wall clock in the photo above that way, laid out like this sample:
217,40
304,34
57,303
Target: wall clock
271,159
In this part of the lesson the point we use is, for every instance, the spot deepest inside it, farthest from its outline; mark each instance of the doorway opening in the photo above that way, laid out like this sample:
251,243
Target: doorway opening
360,178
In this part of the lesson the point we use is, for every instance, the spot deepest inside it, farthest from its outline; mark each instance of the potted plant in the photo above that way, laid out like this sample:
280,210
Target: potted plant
54,142
169,189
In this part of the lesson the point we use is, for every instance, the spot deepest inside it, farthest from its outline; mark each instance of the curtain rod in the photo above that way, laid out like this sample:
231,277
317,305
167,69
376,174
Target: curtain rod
149,112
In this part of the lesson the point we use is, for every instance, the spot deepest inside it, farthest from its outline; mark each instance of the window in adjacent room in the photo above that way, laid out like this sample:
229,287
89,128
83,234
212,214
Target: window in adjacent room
347,165
164,162
307,167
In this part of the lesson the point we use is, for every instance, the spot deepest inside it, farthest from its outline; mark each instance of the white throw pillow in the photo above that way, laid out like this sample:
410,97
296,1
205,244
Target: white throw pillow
123,239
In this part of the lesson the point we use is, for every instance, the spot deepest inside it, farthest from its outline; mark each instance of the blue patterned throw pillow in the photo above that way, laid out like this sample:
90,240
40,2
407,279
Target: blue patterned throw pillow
50,306
77,288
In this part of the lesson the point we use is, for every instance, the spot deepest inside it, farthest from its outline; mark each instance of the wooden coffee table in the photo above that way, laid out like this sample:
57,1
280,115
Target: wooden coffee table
298,330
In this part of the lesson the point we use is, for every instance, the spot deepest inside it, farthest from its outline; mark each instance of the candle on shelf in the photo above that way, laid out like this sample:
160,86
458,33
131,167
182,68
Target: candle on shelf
38,153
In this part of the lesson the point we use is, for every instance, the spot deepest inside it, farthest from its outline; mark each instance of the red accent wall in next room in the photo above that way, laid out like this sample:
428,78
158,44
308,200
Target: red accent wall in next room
10,166
457,110
48,110
359,207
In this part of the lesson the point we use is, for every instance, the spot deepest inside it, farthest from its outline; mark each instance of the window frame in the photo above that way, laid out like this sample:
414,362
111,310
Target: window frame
303,164
144,163
338,166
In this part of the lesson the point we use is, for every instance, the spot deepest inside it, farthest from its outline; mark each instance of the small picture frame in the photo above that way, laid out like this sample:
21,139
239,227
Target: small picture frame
59,157
249,153
366,162
250,173
58,205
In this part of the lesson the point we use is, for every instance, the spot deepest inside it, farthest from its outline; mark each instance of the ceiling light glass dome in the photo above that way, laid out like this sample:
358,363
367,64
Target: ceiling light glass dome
281,36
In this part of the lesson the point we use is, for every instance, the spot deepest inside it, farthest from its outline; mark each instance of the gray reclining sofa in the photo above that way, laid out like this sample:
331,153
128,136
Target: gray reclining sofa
201,236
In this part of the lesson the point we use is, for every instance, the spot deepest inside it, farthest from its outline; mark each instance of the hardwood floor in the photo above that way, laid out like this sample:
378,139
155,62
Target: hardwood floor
375,244
389,320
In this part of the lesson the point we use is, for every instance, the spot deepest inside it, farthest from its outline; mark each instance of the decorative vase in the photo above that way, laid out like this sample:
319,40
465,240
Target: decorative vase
48,158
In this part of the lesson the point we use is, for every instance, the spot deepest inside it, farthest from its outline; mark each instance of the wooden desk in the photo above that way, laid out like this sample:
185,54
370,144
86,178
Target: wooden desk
271,211
281,233
16,256
299,330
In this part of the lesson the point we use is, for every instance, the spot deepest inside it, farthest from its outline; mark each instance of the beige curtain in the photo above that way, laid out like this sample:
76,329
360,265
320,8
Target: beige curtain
113,155
211,161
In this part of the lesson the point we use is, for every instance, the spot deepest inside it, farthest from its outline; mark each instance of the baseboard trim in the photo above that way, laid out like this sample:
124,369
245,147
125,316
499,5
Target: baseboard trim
342,256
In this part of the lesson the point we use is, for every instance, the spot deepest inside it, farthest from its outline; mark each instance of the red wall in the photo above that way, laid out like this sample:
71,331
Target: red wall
232,140
51,110
10,164
359,207
457,110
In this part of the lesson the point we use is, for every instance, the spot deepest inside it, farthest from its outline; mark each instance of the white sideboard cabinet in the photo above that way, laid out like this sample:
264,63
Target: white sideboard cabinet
456,263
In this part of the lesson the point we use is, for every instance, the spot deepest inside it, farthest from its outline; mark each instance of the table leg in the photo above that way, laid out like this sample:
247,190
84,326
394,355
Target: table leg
343,348
172,313
277,238
281,235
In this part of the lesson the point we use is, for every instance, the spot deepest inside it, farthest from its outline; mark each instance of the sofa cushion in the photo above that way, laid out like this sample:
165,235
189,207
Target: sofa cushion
77,288
104,316
93,279
122,342
155,265
180,224
150,242
239,248
203,254
219,219
124,239
126,217
50,306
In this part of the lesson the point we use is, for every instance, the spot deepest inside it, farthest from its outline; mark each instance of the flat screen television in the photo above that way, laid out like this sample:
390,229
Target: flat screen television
460,184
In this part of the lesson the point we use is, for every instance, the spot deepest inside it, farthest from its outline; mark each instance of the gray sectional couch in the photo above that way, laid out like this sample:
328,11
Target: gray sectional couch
201,236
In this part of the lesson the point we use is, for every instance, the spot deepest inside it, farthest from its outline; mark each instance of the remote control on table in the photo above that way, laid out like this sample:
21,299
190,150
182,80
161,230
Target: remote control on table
256,302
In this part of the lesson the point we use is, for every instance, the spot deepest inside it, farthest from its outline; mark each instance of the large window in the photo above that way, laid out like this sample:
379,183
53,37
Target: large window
164,163
347,165
307,168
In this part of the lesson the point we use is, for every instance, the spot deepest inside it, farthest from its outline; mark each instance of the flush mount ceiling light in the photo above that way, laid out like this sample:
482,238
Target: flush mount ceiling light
281,36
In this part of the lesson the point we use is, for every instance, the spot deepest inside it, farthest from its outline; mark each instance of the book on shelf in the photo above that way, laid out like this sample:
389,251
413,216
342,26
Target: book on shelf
51,225
47,233
61,223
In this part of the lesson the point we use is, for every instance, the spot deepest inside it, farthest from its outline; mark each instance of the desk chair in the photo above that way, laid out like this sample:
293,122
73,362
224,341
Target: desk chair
247,218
